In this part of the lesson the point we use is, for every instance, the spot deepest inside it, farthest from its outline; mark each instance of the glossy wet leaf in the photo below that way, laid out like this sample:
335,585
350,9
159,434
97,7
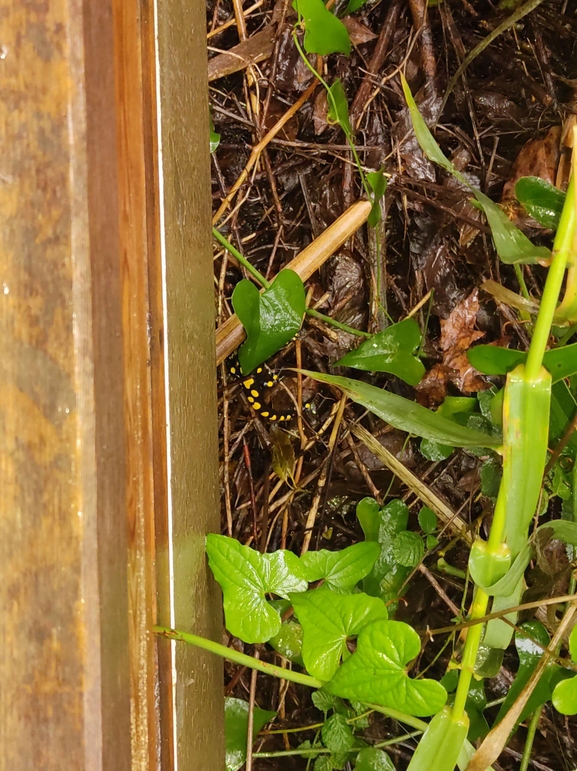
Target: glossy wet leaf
377,671
407,415
289,642
427,520
339,107
408,549
565,693
441,744
324,33
324,701
511,244
373,759
368,514
378,184
270,318
354,5
342,570
236,729
493,360
530,642
541,200
337,734
328,619
384,524
390,351
434,451
283,454
246,576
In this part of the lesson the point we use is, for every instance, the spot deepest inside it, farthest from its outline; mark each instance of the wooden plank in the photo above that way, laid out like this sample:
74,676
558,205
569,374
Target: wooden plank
64,701
187,341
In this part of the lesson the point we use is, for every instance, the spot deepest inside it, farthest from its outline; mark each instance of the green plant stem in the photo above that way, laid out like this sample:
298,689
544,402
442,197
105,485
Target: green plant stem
414,722
470,653
562,247
531,731
243,261
238,658
337,324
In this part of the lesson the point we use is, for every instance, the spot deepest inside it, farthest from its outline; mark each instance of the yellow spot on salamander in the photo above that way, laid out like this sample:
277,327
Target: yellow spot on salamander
273,417
256,405
251,399
254,392
248,382
258,370
265,414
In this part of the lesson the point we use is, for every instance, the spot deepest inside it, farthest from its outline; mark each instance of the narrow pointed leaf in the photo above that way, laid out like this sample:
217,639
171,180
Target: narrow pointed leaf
493,360
407,415
541,200
339,107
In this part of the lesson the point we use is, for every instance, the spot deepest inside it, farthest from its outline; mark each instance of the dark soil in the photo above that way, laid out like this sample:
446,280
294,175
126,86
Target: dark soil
434,246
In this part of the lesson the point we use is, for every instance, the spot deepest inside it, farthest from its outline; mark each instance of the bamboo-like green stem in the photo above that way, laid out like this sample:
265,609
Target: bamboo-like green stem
562,248
531,731
237,657
470,653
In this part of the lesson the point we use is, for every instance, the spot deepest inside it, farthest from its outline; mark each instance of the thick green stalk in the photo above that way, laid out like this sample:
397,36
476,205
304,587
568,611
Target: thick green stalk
562,248
238,658
472,642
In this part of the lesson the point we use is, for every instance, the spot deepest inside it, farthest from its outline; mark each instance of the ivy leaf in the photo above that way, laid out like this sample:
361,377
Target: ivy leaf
327,620
387,576
408,549
378,184
246,576
324,33
390,351
406,415
338,111
377,672
236,729
323,701
372,759
427,520
289,642
270,318
541,200
337,734
512,245
342,570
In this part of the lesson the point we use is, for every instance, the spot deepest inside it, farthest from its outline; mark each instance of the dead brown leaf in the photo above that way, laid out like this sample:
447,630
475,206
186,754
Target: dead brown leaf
358,33
458,333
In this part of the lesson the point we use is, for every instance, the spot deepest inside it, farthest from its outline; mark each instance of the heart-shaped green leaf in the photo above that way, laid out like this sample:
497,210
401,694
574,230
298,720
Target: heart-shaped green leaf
512,245
541,200
342,570
246,576
372,759
328,619
324,33
377,671
236,729
289,642
270,318
390,351
407,415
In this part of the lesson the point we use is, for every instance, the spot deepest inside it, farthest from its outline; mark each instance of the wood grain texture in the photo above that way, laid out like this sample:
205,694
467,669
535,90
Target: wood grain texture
187,340
64,701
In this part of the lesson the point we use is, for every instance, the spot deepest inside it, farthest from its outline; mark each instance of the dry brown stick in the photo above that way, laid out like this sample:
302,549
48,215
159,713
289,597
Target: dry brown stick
497,738
439,589
376,62
257,48
419,12
364,471
257,149
231,334
312,515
